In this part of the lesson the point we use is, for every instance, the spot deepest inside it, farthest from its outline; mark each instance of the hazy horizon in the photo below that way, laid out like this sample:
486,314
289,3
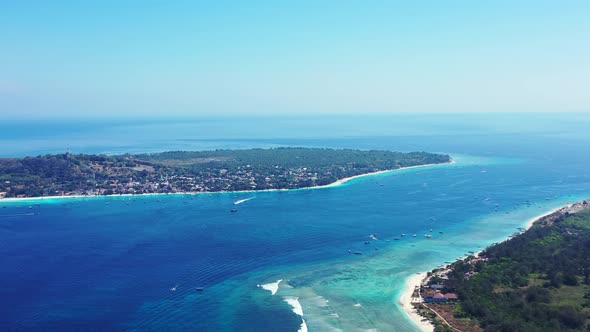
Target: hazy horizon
182,59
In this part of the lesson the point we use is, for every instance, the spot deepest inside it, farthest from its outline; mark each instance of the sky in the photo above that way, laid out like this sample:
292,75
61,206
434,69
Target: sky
145,58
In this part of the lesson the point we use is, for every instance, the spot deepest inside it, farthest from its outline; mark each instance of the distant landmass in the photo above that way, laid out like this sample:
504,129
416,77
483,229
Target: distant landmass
538,280
195,171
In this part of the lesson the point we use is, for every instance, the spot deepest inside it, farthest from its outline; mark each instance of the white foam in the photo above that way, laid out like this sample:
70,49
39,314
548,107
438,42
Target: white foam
319,301
303,327
294,302
273,287
242,200
298,309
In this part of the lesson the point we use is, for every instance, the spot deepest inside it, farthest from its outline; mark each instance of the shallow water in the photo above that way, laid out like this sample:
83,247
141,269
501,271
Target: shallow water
80,264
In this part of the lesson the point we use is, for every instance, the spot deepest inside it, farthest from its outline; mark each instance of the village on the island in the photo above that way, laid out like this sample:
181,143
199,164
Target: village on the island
436,301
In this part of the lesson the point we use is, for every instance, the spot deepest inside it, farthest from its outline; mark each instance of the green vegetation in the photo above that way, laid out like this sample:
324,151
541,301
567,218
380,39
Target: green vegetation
200,171
536,281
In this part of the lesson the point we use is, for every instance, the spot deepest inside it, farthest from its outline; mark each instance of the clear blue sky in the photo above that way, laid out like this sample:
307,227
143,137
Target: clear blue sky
150,58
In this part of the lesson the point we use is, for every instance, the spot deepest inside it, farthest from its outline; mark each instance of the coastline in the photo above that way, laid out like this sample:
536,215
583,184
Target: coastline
405,300
330,185
533,220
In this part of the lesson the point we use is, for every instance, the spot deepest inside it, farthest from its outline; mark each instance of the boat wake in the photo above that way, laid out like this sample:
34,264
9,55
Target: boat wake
240,201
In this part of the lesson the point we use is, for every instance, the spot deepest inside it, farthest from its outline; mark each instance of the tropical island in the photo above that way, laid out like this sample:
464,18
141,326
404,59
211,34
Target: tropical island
195,171
538,280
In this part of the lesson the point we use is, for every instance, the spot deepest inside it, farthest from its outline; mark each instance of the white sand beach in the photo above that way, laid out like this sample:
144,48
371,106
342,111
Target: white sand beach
414,281
405,303
532,221
330,185
348,179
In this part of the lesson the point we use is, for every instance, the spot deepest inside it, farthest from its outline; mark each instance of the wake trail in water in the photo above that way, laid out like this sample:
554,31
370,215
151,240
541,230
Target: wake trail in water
240,201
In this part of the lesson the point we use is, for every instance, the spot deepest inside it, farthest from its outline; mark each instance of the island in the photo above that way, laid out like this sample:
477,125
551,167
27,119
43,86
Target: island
538,280
195,171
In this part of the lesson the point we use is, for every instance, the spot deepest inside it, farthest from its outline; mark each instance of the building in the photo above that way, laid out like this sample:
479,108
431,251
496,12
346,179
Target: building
436,298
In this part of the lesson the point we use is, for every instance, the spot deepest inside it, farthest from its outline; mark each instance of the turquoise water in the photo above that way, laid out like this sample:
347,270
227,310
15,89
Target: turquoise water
85,265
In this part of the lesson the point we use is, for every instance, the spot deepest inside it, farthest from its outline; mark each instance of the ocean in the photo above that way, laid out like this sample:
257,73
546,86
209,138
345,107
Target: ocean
185,263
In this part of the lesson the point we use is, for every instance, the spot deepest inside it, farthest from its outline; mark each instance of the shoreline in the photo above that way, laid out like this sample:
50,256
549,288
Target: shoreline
531,222
405,300
405,303
330,185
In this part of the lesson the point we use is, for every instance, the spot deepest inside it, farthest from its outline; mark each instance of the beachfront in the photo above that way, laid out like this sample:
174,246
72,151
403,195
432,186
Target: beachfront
427,295
330,185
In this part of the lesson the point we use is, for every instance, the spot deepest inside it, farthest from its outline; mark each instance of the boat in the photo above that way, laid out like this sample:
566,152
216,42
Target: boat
358,252
233,211
428,236
173,289
414,235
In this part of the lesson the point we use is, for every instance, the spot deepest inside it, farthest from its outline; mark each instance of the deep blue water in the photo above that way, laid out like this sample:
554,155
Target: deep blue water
84,265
